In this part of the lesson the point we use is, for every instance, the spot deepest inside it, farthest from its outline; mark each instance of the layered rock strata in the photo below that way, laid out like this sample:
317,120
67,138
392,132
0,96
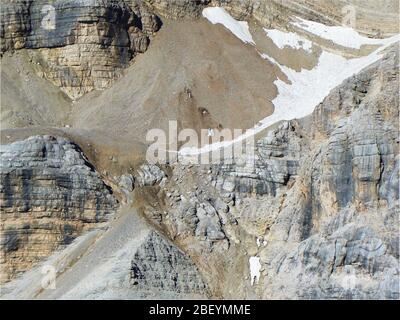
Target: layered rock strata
320,206
160,266
49,195
84,44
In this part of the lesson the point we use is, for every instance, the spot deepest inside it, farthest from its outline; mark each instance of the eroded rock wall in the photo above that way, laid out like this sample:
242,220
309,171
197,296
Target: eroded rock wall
49,195
161,266
340,222
83,44
320,206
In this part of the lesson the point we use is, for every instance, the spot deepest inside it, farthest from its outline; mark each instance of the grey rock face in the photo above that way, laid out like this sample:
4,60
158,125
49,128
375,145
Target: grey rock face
23,23
199,218
362,148
178,8
127,182
340,221
83,44
190,210
149,175
326,196
350,260
269,12
276,164
158,265
49,194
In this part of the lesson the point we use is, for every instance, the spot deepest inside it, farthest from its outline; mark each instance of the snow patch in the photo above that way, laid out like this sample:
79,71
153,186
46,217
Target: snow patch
288,39
344,36
239,28
255,267
300,97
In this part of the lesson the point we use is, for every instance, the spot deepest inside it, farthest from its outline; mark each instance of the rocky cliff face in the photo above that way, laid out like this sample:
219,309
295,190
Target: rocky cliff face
347,192
84,44
318,208
49,195
339,215
160,266
276,164
375,18
321,200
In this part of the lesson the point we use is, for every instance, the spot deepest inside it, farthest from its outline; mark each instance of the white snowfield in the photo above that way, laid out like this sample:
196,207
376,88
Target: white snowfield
288,39
239,28
255,267
299,98
307,88
344,36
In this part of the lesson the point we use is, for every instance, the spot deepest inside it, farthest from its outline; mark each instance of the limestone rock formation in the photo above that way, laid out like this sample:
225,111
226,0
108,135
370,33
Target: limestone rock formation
178,8
149,175
316,205
49,194
338,219
322,199
83,44
160,266
276,163
127,182
376,18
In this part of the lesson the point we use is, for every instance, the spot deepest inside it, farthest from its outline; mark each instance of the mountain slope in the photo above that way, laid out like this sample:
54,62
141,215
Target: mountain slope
314,212
193,72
